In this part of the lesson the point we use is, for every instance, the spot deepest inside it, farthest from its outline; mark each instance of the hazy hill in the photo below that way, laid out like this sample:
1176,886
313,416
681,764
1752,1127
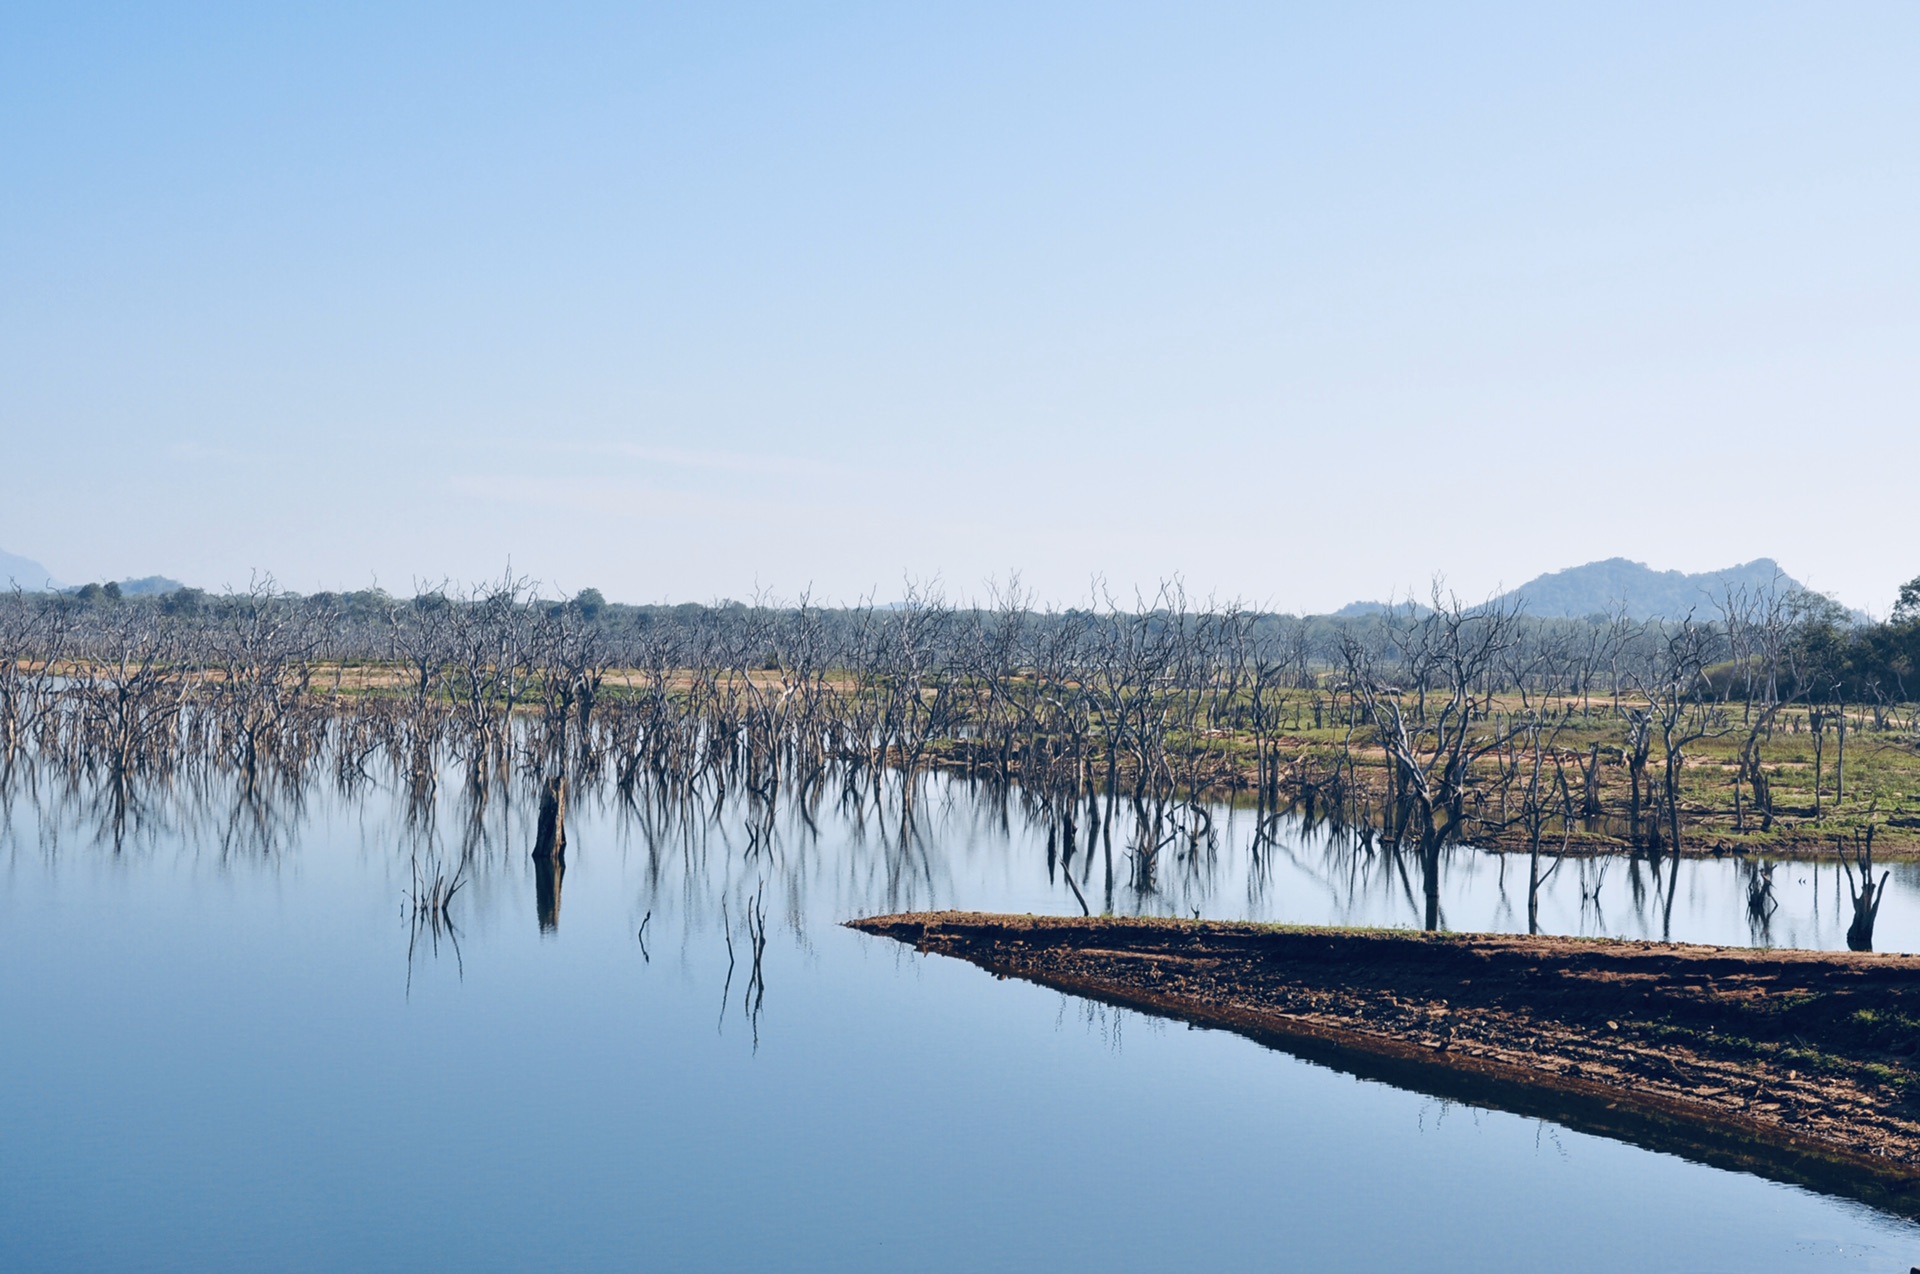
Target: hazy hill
35,578
1599,587
149,586
1361,610
25,572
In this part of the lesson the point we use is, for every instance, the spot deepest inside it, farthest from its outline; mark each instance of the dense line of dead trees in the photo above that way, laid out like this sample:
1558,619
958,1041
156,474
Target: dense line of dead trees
1426,727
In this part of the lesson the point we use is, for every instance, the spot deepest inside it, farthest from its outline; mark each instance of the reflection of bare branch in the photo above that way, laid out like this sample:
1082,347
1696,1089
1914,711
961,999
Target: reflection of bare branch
726,991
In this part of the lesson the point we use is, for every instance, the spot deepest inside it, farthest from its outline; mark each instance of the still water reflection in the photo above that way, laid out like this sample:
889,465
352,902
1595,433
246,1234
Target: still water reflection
231,1042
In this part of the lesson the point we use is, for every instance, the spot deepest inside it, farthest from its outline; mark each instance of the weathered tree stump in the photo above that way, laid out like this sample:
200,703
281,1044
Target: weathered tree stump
551,840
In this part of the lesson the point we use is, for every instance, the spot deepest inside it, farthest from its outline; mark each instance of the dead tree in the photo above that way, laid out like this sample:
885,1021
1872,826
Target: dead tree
550,837
1433,745
1680,711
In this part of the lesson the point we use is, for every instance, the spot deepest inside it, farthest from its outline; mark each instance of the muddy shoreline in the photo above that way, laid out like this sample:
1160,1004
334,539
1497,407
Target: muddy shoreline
1797,1066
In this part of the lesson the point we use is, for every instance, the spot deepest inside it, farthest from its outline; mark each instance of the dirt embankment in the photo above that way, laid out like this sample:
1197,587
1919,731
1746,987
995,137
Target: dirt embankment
1800,1066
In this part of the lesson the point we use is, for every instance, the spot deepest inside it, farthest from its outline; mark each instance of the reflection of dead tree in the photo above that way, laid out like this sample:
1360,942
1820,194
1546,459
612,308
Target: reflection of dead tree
549,878
430,905
756,992
1593,877
1865,892
726,988
1761,903
550,852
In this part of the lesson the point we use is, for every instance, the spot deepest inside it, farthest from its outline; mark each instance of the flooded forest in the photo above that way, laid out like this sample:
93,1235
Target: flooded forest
328,846
1769,729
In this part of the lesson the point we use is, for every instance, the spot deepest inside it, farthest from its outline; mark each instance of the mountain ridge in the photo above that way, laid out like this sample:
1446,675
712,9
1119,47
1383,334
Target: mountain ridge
24,573
1598,588
31,577
1621,584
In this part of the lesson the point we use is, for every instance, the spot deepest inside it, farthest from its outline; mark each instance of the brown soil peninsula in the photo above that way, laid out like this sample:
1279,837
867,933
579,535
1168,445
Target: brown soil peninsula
1795,1065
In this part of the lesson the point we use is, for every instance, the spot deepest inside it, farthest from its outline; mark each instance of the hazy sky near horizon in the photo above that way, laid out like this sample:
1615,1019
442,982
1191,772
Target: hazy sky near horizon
1304,303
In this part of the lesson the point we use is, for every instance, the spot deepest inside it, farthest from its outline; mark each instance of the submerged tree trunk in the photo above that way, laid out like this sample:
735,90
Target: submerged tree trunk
550,842
1866,909
1866,898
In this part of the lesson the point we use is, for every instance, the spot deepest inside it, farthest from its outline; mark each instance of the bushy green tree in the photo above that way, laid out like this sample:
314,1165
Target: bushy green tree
1906,608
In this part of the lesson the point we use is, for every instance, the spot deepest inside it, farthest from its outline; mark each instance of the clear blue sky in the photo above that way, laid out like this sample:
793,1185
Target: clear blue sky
1304,302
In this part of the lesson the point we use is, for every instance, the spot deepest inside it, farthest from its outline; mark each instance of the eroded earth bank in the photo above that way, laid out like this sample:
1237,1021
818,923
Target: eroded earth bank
1797,1065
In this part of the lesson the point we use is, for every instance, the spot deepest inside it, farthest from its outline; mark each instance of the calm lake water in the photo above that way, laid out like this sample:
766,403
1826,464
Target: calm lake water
228,1046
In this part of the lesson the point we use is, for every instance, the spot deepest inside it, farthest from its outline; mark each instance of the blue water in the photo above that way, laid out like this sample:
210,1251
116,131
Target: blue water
230,1048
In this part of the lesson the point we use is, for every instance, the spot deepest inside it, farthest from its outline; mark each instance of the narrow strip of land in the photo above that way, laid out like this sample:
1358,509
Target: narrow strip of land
1797,1065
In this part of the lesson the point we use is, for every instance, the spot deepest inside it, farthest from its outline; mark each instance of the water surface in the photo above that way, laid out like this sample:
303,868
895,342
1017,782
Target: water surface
229,1046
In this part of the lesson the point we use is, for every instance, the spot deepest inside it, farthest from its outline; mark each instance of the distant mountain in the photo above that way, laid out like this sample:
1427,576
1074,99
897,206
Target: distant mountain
35,578
149,586
145,586
26,573
1599,588
1361,610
